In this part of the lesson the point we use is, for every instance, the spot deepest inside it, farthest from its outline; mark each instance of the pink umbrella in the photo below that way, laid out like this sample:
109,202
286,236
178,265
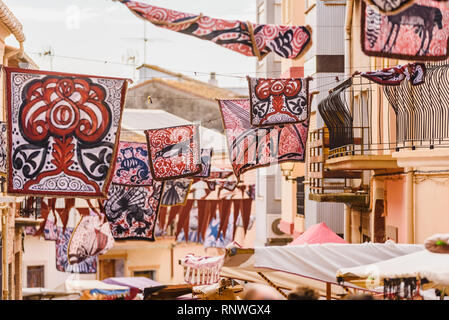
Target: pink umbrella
318,233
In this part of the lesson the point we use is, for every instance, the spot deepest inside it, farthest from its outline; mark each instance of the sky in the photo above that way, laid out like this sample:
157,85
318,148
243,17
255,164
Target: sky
108,33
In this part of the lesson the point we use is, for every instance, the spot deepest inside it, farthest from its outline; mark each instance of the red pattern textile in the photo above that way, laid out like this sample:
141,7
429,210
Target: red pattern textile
250,147
62,132
174,152
131,168
244,37
419,32
413,72
278,101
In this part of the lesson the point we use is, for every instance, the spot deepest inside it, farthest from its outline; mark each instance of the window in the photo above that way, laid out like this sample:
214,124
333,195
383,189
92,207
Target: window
150,274
35,276
300,196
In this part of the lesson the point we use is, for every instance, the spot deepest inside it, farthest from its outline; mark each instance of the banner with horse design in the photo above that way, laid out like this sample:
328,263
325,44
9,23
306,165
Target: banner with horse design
63,130
278,101
289,42
131,167
418,32
176,192
390,6
253,147
132,211
174,152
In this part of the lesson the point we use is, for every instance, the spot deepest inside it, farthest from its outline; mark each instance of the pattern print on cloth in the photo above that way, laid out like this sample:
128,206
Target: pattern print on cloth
244,37
3,147
62,131
278,101
174,152
91,237
176,192
390,6
418,32
250,147
131,168
89,265
413,72
132,211
206,163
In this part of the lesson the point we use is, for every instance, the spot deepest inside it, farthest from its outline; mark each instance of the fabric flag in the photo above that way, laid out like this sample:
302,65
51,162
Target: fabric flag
214,239
192,228
258,40
174,152
50,230
413,72
211,184
418,32
89,265
132,211
220,173
91,237
202,270
131,168
278,101
63,130
250,147
390,7
176,192
3,148
206,163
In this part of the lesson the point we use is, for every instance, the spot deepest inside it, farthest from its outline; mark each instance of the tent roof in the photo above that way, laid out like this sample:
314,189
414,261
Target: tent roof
318,233
81,285
134,282
423,264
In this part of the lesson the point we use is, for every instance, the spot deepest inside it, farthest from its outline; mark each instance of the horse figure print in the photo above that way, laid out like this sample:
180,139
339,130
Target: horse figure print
131,167
418,32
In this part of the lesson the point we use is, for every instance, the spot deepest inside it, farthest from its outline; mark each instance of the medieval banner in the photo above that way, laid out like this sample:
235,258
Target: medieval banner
131,167
62,132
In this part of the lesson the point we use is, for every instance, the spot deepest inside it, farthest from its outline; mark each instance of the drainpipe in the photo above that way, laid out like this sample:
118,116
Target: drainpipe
409,201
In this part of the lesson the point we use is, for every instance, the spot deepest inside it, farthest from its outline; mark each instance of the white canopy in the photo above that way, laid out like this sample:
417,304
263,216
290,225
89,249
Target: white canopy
423,264
311,265
81,285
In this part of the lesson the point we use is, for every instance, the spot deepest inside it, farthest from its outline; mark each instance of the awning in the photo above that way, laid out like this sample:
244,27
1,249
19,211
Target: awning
134,282
81,285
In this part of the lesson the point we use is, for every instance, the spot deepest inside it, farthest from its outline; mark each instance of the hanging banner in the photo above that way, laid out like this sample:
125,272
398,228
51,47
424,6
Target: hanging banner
249,39
132,211
413,72
278,101
250,147
131,167
206,163
176,192
3,148
174,152
89,265
390,7
418,32
63,130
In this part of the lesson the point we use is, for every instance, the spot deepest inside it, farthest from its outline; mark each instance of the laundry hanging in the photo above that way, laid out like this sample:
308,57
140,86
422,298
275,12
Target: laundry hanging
174,152
419,32
278,101
63,130
89,265
3,148
132,211
244,37
413,72
175,192
91,237
131,168
250,147
206,163
390,7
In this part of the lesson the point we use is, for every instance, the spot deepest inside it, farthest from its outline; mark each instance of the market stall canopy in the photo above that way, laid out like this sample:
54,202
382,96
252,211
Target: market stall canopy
81,285
134,282
318,233
308,265
423,264
43,293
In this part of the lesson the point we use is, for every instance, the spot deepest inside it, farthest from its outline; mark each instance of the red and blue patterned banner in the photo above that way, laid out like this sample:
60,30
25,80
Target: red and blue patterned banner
258,40
63,130
132,211
419,32
278,101
131,168
251,147
174,152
